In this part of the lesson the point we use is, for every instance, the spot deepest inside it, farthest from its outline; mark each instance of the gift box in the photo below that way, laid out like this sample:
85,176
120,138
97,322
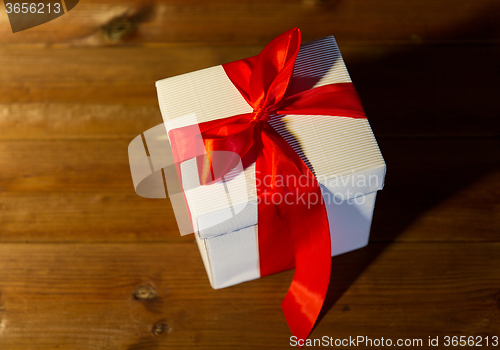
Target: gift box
340,150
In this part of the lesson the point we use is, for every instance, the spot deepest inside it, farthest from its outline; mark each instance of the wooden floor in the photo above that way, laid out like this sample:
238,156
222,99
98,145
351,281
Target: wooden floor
87,264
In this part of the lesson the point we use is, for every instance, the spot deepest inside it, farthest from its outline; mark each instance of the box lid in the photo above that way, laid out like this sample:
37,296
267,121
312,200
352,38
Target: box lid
342,152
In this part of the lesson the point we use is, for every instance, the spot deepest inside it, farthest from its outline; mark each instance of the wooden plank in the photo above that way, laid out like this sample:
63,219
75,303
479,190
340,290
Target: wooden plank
81,191
76,191
439,190
418,91
81,296
49,121
255,22
122,75
82,92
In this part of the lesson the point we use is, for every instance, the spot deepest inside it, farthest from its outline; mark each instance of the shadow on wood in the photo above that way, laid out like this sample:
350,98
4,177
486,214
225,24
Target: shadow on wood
444,113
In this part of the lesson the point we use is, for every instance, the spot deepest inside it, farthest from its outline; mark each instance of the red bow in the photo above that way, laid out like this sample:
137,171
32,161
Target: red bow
289,235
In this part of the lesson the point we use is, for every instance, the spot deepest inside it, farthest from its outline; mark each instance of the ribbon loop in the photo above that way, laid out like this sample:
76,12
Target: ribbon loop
273,70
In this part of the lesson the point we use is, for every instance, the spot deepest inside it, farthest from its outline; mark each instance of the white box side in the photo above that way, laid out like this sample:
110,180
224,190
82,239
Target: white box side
233,257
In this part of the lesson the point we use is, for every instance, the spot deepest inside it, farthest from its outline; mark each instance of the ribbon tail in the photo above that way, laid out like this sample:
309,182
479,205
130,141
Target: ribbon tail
299,208
312,251
306,295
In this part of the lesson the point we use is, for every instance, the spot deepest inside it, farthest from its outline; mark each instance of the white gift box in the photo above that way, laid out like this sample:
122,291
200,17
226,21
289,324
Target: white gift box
341,151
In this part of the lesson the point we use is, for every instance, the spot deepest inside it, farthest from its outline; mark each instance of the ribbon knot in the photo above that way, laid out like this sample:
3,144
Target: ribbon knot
260,115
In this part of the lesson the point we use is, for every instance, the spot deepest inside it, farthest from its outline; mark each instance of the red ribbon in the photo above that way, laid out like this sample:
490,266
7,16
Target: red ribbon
289,235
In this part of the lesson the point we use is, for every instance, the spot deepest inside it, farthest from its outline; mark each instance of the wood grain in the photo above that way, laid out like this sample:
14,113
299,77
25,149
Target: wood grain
256,22
58,121
87,92
81,297
81,191
439,189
